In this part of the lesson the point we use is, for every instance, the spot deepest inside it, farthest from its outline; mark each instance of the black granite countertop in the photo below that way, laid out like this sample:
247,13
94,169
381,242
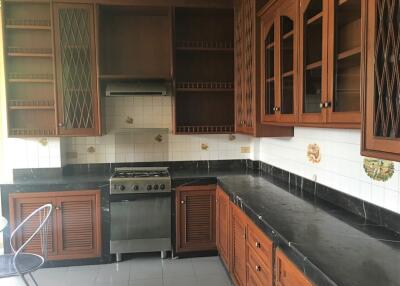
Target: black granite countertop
319,236
330,244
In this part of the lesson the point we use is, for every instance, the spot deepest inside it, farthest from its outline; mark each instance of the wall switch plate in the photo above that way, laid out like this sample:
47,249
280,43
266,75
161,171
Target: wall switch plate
245,149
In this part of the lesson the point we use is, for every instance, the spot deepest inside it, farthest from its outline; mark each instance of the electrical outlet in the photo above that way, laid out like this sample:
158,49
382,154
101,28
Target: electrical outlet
245,149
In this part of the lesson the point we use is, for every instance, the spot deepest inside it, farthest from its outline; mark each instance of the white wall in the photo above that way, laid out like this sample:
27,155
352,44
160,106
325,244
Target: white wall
341,166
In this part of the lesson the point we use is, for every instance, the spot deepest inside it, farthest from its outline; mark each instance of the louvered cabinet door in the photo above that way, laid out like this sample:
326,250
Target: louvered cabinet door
223,223
239,255
196,218
78,220
75,50
21,206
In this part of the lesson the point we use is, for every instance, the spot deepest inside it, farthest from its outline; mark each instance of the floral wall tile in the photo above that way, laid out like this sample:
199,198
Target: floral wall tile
314,153
378,170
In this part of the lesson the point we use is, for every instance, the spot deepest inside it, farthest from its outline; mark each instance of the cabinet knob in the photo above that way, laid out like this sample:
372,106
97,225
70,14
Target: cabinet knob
258,268
327,104
182,202
58,208
60,124
258,245
321,105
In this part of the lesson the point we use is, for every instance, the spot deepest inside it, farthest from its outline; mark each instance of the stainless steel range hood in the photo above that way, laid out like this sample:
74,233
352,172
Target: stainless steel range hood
137,88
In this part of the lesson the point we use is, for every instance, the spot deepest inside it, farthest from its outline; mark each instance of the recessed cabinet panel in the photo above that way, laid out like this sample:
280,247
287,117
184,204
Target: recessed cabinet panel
269,72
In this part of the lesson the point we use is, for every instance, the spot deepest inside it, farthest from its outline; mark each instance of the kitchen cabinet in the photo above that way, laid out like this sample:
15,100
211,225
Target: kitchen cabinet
223,226
239,250
330,62
381,104
75,224
203,71
287,273
195,218
29,68
76,69
279,50
247,66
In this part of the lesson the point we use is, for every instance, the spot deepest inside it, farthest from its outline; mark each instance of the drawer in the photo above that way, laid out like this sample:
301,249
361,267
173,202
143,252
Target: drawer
260,244
258,268
252,279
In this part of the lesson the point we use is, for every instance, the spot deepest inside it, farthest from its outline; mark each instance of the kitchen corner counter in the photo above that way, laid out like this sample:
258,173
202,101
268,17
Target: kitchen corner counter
329,244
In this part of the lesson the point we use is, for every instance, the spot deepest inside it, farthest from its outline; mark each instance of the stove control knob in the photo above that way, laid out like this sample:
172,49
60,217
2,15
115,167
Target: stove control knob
135,188
149,187
155,187
162,187
122,188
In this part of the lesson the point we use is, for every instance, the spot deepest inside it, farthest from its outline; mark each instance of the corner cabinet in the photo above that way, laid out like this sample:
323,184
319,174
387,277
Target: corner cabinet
330,62
287,274
76,69
195,218
75,224
279,36
381,129
247,66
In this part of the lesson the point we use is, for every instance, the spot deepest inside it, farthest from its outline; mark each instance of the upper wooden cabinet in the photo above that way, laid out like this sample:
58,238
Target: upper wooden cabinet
75,46
195,218
29,68
75,224
247,66
381,104
279,50
330,57
135,42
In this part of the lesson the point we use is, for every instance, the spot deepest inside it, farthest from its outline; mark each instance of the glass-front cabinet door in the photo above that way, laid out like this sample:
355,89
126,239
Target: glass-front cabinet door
313,60
287,69
78,101
345,38
279,63
268,70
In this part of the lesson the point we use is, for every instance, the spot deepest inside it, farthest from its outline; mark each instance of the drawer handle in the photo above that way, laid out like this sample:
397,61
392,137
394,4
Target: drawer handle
258,245
258,268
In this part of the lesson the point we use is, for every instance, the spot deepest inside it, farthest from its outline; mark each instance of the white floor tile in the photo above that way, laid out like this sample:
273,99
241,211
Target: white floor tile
213,280
147,282
180,281
178,267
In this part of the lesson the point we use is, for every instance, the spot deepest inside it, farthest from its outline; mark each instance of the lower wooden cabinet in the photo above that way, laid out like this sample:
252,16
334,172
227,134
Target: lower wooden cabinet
239,251
287,274
75,224
223,226
195,218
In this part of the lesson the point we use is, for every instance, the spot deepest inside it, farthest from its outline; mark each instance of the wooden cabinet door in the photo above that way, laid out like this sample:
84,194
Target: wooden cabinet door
195,218
345,61
238,242
79,225
287,273
223,226
269,66
245,66
76,72
279,52
21,206
313,61
381,108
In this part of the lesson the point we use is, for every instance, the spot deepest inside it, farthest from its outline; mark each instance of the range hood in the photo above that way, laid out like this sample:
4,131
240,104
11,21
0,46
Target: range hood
137,88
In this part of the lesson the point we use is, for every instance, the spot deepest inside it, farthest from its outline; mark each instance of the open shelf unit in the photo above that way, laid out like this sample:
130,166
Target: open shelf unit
29,69
204,71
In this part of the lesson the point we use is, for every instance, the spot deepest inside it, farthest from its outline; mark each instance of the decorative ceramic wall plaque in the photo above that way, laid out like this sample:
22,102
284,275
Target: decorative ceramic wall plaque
378,170
314,153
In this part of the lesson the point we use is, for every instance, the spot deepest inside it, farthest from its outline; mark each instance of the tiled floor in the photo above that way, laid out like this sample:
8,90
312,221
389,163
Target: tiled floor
145,271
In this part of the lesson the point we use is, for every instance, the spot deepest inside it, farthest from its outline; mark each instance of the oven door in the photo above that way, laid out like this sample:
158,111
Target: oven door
140,223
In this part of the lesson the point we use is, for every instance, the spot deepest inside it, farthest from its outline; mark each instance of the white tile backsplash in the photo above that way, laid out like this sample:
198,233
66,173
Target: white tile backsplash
341,166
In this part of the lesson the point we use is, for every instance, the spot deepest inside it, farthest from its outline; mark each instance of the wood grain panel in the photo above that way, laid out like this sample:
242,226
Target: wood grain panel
239,253
223,226
287,274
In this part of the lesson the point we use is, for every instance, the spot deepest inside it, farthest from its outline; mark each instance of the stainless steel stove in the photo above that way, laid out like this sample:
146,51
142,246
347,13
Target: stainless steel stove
140,210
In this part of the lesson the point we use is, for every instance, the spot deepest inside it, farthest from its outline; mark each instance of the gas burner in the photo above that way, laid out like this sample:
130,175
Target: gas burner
140,180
